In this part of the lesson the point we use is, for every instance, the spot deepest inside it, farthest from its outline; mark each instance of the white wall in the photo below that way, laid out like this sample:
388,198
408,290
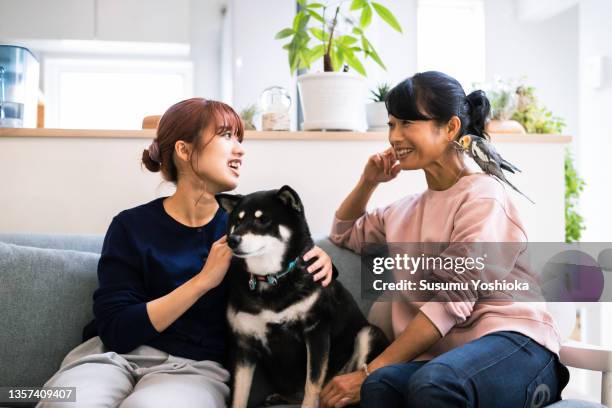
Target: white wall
397,51
538,10
545,51
76,185
205,38
257,59
595,142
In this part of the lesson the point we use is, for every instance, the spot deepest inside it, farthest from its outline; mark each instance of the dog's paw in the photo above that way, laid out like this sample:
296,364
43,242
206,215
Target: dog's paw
311,402
275,399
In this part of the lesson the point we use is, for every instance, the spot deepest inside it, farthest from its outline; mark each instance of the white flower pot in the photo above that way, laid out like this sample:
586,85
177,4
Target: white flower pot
332,101
378,118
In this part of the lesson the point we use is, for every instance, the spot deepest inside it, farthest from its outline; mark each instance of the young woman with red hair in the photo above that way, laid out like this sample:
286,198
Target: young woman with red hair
159,335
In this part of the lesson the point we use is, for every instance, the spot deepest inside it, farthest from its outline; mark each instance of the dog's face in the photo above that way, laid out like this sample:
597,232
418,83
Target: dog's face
262,223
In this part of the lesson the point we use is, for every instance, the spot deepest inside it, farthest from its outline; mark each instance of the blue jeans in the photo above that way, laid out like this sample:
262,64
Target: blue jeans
503,370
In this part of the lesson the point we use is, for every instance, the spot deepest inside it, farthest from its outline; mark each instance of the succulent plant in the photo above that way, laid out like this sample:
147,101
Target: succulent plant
380,93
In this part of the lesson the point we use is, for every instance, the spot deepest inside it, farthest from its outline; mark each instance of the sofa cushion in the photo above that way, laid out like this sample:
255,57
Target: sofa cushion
349,270
45,299
75,242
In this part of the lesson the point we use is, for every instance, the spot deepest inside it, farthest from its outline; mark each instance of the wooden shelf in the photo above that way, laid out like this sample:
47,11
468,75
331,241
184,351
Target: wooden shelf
255,135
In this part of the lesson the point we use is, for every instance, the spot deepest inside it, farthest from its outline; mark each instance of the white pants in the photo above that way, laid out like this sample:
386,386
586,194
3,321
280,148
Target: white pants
146,377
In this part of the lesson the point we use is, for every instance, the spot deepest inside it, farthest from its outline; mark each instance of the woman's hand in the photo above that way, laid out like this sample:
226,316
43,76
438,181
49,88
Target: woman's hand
342,390
322,266
381,167
217,263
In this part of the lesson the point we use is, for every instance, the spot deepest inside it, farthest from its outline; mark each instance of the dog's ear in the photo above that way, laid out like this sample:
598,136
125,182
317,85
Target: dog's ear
228,201
288,196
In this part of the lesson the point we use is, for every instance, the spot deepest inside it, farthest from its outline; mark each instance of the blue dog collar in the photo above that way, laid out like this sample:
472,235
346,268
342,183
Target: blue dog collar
272,279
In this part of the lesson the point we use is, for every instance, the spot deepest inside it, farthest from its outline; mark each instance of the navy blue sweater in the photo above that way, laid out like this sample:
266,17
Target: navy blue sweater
147,254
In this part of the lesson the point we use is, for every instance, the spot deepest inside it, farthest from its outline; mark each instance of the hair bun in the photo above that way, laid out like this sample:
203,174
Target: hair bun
149,163
479,109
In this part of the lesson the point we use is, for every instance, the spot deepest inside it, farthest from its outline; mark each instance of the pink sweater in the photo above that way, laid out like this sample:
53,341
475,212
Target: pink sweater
475,209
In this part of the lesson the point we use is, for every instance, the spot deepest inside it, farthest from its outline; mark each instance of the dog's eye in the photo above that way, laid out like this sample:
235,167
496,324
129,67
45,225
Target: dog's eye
262,219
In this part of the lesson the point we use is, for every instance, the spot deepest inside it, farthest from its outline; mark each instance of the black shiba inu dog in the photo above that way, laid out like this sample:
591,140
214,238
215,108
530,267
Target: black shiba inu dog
298,332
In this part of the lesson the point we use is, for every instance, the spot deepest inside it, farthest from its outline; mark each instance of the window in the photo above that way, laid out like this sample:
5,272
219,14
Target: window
112,94
451,39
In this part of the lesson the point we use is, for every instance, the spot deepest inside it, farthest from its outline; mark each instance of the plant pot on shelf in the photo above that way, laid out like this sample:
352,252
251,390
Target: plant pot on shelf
332,101
377,116
504,126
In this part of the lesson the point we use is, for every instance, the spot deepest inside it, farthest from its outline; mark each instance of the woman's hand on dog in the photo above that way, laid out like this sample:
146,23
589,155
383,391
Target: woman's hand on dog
342,390
322,267
217,263
381,167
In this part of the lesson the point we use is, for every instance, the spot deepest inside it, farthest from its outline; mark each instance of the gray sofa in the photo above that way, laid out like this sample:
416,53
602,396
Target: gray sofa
46,286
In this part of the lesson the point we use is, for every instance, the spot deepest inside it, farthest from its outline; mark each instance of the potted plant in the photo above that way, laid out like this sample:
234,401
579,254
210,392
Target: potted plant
535,118
333,99
248,116
376,111
504,100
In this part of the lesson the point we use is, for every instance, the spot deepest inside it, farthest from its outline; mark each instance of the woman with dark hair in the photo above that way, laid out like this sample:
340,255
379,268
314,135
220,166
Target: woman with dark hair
159,336
453,349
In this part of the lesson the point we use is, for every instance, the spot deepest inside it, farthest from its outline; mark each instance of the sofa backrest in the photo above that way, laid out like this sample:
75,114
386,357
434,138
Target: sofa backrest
45,300
46,287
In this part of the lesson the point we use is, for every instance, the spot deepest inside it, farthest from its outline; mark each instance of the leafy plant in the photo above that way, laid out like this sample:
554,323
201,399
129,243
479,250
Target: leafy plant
247,115
380,93
534,117
337,48
574,185
502,97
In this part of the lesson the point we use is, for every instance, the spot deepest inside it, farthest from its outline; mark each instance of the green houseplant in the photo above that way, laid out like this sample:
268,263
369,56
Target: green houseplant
248,116
574,185
334,33
380,93
376,111
503,98
535,118
313,23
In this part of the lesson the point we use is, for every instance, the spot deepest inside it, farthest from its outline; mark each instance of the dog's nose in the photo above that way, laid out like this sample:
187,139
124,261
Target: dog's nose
233,241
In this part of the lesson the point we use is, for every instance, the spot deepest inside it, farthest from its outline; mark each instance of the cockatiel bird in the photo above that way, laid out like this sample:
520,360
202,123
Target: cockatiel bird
488,159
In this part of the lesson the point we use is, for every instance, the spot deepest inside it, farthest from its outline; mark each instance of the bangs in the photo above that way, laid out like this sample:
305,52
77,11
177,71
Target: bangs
226,119
403,102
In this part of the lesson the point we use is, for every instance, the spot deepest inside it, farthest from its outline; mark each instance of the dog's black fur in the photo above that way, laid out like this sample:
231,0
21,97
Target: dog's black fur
327,321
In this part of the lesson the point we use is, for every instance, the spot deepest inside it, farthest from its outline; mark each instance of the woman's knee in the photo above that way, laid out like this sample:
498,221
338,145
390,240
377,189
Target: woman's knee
383,387
391,375
171,389
434,385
